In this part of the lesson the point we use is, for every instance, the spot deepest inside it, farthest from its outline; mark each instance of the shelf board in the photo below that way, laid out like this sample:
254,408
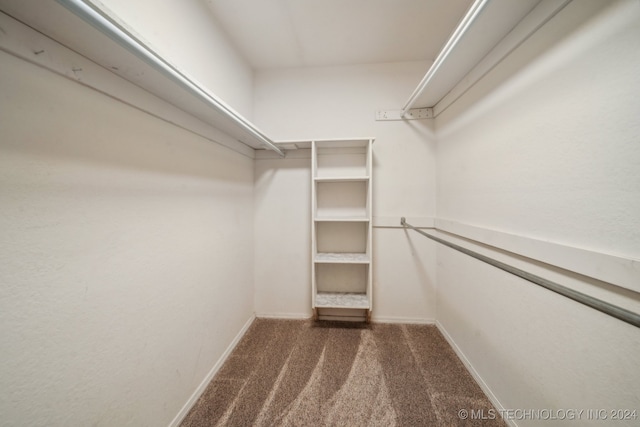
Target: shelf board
342,258
343,143
342,300
73,42
363,178
341,219
333,212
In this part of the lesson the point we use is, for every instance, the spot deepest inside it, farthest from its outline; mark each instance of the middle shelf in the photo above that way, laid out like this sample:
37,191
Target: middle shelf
342,258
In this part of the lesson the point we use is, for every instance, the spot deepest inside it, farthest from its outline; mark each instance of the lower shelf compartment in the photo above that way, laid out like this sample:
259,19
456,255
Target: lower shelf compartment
342,300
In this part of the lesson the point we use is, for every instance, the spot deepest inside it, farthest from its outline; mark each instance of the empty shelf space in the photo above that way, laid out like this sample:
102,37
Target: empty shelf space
341,161
341,199
342,300
339,258
341,237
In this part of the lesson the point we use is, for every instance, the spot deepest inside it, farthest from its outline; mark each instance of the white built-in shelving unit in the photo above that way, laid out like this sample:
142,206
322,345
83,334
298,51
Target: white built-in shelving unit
341,191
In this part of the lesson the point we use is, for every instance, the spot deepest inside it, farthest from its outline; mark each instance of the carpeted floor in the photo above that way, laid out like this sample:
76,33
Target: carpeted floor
304,373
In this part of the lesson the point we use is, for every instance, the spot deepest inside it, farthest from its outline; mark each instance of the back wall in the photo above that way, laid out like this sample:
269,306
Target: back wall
340,102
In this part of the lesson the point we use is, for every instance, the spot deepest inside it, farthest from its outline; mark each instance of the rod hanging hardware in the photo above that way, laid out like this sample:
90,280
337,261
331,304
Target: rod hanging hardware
604,307
119,35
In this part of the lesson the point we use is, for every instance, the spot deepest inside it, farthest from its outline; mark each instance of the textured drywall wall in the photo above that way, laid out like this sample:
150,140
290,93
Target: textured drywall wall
126,264
557,139
549,151
187,34
340,102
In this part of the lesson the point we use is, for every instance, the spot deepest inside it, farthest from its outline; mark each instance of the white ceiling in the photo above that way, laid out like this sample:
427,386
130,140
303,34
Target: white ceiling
300,33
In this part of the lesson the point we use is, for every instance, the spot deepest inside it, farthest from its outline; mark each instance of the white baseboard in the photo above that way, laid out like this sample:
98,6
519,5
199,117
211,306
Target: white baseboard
203,385
296,316
381,319
405,320
476,376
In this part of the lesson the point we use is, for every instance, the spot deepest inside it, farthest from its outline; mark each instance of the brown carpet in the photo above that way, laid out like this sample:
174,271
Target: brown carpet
304,373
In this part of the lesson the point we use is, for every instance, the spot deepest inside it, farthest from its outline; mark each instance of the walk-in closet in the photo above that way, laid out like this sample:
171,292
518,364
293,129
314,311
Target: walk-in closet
319,213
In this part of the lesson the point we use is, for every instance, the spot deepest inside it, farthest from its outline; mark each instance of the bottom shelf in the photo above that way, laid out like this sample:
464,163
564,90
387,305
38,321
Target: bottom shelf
342,300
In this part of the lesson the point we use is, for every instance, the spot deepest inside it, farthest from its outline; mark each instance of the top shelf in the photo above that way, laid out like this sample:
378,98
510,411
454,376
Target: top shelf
106,39
346,143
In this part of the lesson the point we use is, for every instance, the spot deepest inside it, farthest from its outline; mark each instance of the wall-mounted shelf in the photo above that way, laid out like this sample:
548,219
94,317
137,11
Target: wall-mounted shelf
88,29
341,228
488,33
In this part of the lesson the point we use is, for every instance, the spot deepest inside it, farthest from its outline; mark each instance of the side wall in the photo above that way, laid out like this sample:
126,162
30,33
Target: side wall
550,153
340,102
126,257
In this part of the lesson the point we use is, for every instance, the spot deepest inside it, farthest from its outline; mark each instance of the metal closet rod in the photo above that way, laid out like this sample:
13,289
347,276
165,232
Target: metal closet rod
460,30
96,19
595,303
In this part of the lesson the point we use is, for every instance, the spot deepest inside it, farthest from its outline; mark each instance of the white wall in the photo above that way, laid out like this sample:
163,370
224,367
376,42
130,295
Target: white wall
126,261
129,255
550,152
188,35
340,102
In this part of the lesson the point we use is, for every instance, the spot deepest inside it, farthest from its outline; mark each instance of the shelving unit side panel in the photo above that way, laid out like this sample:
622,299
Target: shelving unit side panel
314,244
370,224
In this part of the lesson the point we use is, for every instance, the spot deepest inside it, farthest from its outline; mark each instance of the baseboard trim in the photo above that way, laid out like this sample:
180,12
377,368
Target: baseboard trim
403,320
476,376
375,319
295,316
216,367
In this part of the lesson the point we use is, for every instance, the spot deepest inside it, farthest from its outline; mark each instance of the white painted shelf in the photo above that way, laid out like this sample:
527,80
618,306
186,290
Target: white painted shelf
342,218
341,227
341,178
342,300
346,258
